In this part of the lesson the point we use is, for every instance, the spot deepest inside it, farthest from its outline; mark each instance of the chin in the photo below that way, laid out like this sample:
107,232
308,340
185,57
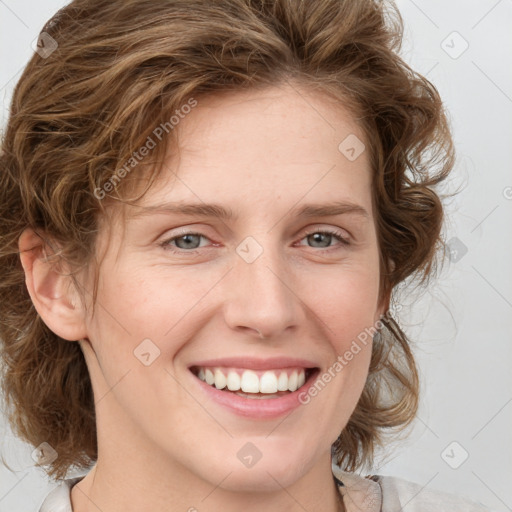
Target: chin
267,469
263,478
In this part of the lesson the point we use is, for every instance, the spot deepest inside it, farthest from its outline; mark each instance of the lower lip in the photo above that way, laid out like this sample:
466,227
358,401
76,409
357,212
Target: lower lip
265,408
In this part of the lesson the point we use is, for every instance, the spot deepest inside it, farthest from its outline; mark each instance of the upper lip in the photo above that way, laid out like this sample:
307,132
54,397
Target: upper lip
253,363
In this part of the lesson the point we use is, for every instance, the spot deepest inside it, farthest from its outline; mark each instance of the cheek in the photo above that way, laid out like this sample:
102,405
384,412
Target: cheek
345,301
345,304
151,302
163,306
162,303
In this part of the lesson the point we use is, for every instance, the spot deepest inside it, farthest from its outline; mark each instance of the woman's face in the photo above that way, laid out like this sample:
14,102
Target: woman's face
183,294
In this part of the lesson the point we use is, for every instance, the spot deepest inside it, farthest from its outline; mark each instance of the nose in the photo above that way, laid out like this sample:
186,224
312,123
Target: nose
261,296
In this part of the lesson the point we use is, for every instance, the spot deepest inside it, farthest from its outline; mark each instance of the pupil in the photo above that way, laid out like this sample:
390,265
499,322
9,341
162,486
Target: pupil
316,237
186,238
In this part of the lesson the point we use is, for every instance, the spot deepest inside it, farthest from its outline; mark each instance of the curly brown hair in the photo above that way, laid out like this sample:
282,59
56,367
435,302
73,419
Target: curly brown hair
120,69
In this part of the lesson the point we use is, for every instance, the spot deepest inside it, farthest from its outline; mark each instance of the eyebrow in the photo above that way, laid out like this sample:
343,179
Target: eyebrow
218,211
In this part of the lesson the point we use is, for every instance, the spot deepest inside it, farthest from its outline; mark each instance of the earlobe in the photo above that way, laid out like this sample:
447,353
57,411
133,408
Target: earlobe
51,288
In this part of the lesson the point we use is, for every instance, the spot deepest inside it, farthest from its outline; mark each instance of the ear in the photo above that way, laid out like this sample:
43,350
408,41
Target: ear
52,291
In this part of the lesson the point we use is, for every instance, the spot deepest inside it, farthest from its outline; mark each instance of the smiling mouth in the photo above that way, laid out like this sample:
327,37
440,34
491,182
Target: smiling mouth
255,383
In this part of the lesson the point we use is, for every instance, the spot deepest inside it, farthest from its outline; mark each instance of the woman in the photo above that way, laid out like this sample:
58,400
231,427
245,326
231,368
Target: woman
168,319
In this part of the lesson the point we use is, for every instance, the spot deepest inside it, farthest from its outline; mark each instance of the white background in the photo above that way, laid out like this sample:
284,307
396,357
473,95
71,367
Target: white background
462,326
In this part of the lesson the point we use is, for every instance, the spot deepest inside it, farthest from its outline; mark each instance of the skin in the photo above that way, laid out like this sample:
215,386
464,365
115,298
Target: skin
162,443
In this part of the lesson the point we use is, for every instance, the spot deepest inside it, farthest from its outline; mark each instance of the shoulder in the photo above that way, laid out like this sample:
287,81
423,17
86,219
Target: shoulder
379,493
398,492
59,498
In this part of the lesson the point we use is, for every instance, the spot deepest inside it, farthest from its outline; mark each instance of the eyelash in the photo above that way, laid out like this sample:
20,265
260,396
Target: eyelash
166,244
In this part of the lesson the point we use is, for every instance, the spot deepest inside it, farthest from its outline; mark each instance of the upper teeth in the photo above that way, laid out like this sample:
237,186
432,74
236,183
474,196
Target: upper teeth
249,381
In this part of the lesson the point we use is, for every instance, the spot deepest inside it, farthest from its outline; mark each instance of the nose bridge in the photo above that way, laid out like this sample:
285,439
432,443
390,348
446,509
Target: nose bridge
261,293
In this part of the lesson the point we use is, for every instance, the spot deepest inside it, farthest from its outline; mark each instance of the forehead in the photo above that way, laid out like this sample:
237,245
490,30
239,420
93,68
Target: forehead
275,123
263,145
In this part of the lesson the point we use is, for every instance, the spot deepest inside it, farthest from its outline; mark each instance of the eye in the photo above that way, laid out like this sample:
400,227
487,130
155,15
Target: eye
190,241
324,237
187,242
